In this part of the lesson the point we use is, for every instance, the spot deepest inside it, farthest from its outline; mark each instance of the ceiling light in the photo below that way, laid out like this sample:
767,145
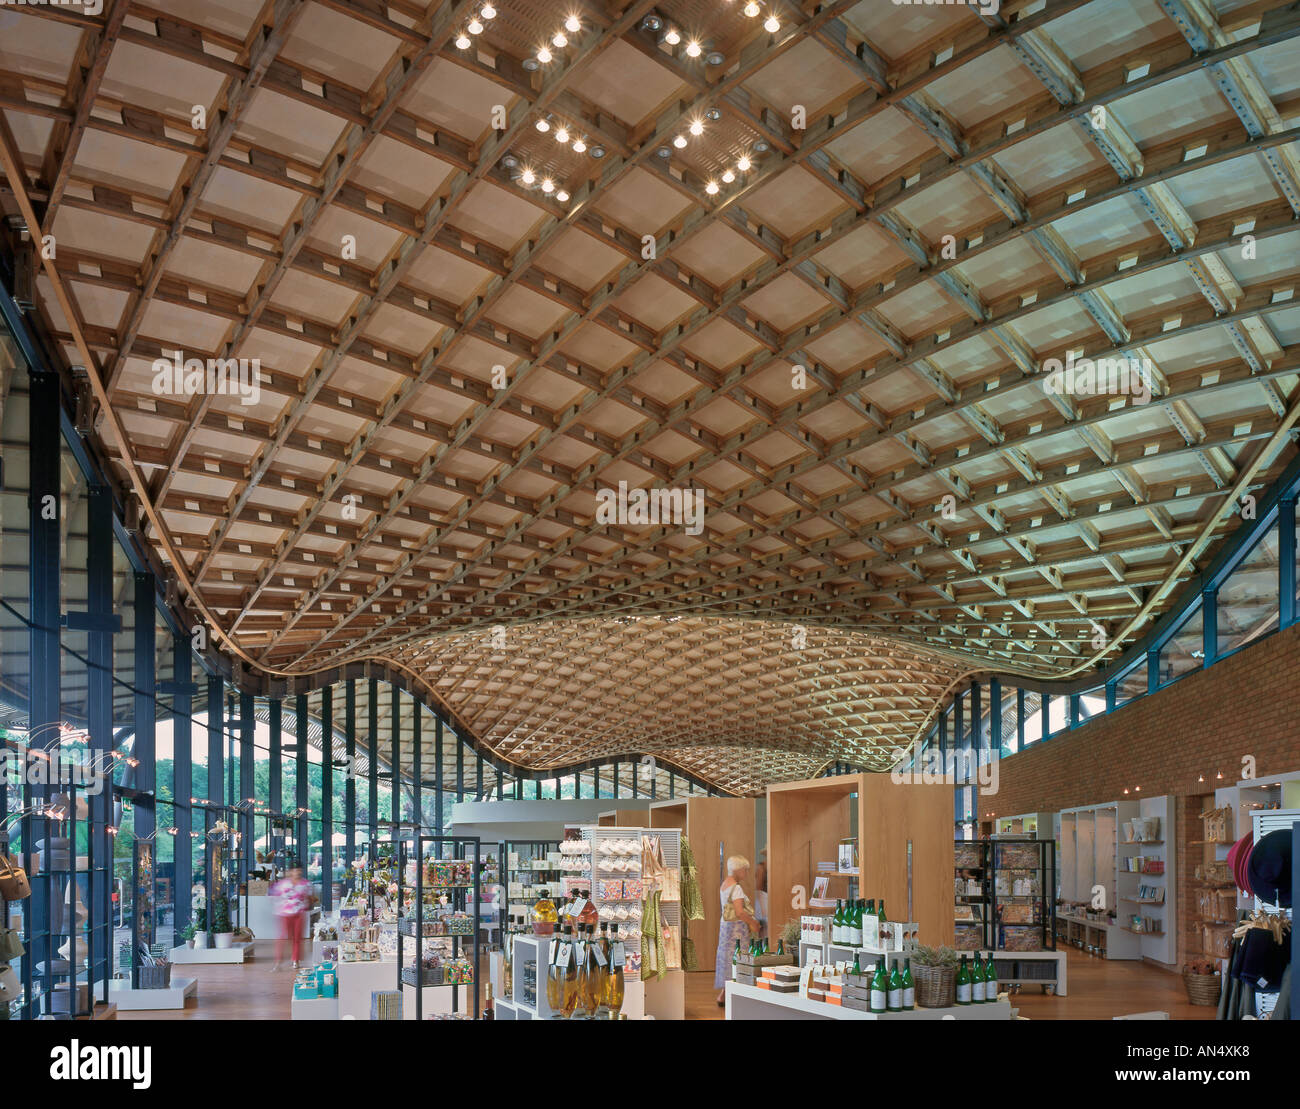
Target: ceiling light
743,165
715,57
462,41
489,12
711,188
597,151
713,114
560,39
679,142
651,23
548,186
530,64
561,135
728,176
751,9
562,196
528,177
543,55
760,146
510,161
475,27
573,24
543,126
673,37
664,152
579,146
693,49
696,127
771,24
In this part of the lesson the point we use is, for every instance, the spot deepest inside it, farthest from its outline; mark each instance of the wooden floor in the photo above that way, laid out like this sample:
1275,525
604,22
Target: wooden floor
1099,990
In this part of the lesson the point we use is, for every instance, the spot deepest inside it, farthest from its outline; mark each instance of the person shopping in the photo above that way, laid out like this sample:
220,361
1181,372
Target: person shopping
295,902
738,923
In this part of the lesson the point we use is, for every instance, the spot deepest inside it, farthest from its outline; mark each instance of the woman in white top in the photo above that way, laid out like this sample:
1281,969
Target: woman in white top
738,923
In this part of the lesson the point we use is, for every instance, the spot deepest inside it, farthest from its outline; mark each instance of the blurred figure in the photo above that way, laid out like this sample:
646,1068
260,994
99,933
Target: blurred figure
295,902
737,926
760,892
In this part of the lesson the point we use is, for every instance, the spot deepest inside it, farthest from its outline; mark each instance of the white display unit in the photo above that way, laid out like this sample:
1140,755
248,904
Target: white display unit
1089,858
528,949
751,1003
1161,946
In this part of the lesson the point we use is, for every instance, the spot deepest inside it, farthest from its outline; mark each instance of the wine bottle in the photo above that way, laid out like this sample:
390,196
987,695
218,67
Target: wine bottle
963,983
570,973
857,968
735,960
880,913
909,987
990,979
879,989
555,977
837,922
614,981
976,980
895,989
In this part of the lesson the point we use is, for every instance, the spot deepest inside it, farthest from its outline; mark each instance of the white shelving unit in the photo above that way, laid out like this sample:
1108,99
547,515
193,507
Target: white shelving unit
1246,798
1161,946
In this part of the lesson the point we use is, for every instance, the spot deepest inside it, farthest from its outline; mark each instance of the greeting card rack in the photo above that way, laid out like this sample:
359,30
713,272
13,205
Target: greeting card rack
460,897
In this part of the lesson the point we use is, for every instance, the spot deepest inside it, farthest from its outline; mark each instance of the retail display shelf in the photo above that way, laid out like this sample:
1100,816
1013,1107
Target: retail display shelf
129,1000
753,1003
235,953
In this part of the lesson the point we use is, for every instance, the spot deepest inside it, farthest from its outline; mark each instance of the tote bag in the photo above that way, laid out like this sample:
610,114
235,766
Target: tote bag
13,879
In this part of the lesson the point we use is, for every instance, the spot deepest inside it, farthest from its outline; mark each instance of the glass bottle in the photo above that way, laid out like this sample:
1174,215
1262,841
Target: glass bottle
909,987
507,963
857,967
879,989
976,980
555,977
545,916
614,981
570,970
895,989
588,976
858,910
837,922
990,979
602,980
963,983
588,914
880,913
735,960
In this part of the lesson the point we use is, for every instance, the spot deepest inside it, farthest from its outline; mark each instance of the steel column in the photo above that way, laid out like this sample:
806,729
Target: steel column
372,712
327,798
350,782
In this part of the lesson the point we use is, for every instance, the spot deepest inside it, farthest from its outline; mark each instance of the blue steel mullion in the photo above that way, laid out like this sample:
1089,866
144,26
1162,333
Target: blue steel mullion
1073,721
995,718
1112,695
437,773
275,779
460,768
99,723
146,704
1153,669
216,757
615,793
1020,718
395,760
1046,708
636,766
247,736
372,746
350,782
327,798
977,736
182,779
417,780
1286,517
478,776
301,796
1209,627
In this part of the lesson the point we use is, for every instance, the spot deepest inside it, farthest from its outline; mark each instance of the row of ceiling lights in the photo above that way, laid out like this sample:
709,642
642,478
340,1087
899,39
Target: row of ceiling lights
485,15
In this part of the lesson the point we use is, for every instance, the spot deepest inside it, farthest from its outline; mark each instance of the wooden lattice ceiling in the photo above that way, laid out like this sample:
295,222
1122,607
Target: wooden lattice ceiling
454,362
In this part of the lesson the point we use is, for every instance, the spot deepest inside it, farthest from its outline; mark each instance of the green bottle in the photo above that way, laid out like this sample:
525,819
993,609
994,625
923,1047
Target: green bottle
880,914
963,983
895,990
990,979
879,989
909,987
976,980
735,960
859,910
780,947
857,968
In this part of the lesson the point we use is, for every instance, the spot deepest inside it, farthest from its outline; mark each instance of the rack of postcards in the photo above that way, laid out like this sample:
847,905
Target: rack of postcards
438,883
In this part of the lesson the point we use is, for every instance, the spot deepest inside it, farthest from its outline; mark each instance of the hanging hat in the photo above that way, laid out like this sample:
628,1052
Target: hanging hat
1237,856
1269,868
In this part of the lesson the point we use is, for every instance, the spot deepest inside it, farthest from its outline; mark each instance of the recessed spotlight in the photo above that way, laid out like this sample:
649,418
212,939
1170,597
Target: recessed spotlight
543,55
696,127
743,165
573,24
664,152
711,188
713,115
771,24
489,12
529,64
693,49
561,134
562,196
728,176
597,151
475,27
462,41
751,9
560,39
510,161
715,57
548,186
673,37
543,126
760,146
651,23
528,177
680,142
579,146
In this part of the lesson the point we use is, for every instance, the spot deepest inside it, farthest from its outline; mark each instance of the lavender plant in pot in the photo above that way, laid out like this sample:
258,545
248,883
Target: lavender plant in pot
934,970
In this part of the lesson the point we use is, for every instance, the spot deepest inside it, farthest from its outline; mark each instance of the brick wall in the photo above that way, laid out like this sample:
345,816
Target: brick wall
1203,724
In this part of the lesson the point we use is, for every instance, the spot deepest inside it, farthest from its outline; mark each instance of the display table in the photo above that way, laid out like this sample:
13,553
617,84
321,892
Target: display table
314,1008
752,1003
128,1000
357,981
235,953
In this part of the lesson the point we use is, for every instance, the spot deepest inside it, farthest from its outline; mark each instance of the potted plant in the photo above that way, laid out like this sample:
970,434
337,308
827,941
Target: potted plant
790,937
223,935
934,970
187,934
200,927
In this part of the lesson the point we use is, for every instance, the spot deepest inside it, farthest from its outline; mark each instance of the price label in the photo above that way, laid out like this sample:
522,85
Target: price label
599,955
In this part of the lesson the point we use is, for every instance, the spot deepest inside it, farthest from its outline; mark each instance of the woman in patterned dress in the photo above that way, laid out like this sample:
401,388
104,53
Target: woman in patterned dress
741,925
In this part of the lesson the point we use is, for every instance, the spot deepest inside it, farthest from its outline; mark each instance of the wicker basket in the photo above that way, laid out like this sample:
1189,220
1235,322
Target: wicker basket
1202,989
936,987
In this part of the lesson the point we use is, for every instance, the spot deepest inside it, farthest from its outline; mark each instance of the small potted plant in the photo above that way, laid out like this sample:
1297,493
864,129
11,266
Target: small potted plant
187,934
934,969
200,927
790,937
223,935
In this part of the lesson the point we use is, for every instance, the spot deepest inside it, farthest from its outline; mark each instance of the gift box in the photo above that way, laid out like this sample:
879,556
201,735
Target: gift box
610,889
305,989
327,982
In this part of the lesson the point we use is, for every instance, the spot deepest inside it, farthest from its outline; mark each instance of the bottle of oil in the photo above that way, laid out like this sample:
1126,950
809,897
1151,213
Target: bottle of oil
555,975
570,972
588,976
544,915
614,981
603,954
